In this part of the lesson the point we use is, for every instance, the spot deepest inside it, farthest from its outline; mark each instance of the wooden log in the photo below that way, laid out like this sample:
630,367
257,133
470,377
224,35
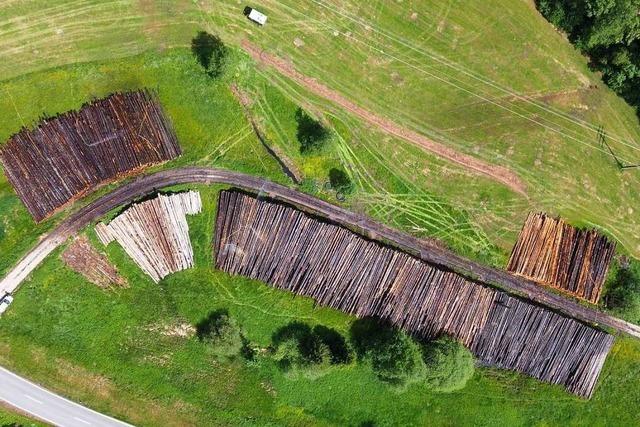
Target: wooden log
67,156
291,250
155,233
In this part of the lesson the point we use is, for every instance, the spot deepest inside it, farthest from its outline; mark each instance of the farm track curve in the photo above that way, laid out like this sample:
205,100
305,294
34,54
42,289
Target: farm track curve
430,253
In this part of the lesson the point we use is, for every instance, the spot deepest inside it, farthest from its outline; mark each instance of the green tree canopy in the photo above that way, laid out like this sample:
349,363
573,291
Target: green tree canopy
340,181
395,358
210,52
449,365
222,332
311,134
609,32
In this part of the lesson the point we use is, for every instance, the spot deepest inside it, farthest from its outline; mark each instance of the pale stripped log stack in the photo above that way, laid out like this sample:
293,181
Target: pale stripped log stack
552,252
155,233
292,250
66,156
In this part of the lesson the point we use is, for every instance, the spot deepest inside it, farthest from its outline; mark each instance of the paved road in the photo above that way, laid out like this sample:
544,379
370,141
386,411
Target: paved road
47,406
425,251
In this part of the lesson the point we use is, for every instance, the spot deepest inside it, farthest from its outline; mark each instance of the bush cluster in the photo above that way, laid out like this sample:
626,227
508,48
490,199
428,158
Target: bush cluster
222,333
449,365
298,349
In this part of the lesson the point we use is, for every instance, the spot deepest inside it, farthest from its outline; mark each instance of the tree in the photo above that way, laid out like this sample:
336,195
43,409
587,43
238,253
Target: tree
608,31
210,52
311,134
623,287
340,181
299,349
449,365
394,357
222,333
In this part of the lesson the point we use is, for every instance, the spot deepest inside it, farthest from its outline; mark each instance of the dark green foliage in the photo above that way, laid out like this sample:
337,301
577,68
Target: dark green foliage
339,351
395,358
340,181
623,287
210,52
223,334
449,364
609,32
311,134
299,349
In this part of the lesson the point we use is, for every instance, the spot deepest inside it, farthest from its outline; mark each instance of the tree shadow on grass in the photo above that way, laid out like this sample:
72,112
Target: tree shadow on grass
311,345
311,134
210,52
211,324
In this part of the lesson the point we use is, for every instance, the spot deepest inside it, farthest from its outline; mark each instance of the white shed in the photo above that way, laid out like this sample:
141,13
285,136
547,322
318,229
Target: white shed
258,17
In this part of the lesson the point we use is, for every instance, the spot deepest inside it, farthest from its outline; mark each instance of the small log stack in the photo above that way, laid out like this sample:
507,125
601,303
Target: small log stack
551,252
83,258
155,233
291,250
69,155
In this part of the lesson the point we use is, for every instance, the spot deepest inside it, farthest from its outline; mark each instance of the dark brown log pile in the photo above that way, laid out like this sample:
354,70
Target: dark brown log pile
83,258
556,254
155,233
66,156
291,250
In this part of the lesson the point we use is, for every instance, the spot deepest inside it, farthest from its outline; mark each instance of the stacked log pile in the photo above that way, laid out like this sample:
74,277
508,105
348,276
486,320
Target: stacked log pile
543,344
66,156
552,252
83,258
291,250
155,233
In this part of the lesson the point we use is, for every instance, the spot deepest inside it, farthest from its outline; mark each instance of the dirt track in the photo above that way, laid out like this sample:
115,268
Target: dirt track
366,226
498,173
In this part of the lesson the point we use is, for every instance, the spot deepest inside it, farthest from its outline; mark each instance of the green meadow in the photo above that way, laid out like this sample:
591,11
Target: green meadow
118,351
495,82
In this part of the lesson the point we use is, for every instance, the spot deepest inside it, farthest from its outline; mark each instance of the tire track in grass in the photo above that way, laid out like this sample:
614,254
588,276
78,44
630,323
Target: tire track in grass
498,173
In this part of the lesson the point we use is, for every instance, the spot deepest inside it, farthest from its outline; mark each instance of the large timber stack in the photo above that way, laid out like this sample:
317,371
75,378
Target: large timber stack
552,252
66,156
155,233
292,250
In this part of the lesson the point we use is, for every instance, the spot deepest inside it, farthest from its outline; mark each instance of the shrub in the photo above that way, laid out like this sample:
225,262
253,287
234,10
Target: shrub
449,365
223,334
210,52
298,349
622,290
311,134
395,358
340,181
623,282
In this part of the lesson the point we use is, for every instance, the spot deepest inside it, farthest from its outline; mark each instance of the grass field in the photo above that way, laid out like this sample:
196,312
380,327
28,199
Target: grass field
532,105
9,418
115,351
494,82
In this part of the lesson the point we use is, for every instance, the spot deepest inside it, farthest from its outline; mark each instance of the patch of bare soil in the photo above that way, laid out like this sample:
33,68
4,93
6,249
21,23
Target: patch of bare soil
498,173
83,258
